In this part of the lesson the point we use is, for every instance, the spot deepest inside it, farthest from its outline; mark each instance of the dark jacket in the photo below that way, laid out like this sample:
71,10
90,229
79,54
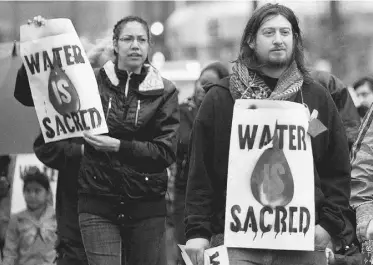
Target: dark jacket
133,181
209,149
342,99
188,112
65,156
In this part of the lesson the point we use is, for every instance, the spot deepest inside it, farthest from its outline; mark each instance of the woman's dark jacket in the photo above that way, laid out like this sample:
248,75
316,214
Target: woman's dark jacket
131,183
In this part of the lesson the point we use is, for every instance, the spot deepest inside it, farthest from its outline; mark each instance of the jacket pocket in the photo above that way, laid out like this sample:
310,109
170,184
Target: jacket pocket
142,185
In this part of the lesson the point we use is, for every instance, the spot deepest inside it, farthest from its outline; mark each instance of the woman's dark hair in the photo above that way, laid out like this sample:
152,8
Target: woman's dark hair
247,54
33,174
218,68
121,23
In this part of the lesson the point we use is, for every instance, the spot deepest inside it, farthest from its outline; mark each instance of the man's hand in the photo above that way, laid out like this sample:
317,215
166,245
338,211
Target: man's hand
322,237
102,142
330,256
364,231
195,248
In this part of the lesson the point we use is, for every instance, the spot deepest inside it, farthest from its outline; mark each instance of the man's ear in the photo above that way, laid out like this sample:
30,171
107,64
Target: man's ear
251,44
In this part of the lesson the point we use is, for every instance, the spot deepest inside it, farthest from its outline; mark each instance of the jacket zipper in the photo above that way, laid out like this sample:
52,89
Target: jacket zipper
137,112
108,109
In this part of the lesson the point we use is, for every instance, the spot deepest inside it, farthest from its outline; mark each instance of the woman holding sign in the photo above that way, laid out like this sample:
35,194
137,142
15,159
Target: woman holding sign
123,177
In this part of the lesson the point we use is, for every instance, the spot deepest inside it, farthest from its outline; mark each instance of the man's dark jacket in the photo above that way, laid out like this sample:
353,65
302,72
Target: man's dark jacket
209,150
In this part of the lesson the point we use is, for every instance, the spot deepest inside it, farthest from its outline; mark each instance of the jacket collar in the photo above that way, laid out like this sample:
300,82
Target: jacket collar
152,83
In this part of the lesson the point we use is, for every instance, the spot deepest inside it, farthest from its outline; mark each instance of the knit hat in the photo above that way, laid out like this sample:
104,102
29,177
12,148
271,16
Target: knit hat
33,174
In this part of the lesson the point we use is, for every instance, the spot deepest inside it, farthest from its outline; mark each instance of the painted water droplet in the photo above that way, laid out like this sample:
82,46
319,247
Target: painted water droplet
62,93
272,182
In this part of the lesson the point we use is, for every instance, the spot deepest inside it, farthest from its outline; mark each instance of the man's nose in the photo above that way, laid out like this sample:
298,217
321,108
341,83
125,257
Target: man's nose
277,38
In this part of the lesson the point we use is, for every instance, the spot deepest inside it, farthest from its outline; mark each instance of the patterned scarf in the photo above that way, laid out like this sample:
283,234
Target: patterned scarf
247,84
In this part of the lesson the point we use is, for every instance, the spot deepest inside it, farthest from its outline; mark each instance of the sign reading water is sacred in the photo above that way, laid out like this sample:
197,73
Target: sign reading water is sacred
62,81
270,190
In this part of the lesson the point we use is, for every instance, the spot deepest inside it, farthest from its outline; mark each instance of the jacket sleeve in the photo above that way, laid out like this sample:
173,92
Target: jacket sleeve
200,193
22,91
362,171
162,149
57,154
11,243
334,171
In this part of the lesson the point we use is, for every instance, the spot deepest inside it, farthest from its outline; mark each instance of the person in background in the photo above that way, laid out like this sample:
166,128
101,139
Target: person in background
361,178
4,199
342,99
270,66
211,74
364,91
31,234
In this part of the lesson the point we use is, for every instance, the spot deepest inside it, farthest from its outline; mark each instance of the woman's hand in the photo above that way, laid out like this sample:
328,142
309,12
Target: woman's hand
322,237
102,142
37,21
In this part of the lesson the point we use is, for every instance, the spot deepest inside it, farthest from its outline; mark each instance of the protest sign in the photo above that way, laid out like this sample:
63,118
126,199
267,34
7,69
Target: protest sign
22,163
270,189
62,81
212,256
216,256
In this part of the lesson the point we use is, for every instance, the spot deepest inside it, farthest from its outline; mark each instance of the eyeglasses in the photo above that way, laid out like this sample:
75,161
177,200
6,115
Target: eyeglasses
131,39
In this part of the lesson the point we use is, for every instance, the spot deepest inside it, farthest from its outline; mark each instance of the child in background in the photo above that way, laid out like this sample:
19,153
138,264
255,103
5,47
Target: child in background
31,234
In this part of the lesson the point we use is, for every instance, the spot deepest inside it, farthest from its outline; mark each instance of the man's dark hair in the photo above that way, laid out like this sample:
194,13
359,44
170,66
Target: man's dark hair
247,54
362,81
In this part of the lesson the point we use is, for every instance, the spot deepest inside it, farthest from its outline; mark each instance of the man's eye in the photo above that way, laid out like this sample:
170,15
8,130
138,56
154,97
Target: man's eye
268,33
285,32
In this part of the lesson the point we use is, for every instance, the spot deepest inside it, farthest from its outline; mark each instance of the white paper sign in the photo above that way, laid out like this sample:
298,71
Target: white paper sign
23,162
62,81
217,256
212,256
270,189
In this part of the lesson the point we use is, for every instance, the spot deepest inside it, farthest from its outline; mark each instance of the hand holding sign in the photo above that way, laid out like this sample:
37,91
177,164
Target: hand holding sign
195,248
102,142
37,21
62,82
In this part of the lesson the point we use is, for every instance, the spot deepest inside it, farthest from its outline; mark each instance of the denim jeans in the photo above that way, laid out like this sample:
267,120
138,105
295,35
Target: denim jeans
239,256
136,243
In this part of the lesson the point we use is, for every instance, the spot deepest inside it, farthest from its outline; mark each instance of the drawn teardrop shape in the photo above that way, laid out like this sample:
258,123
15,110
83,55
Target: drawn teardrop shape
62,93
272,182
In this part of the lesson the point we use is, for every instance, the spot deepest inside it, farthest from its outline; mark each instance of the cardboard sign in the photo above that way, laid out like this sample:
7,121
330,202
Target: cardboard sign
270,189
212,256
22,163
62,81
216,256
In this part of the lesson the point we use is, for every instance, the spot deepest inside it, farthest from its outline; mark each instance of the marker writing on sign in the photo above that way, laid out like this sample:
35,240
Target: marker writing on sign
61,56
284,220
295,135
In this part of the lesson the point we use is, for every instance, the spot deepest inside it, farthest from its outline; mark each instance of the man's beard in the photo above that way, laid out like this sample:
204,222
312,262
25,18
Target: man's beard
362,110
272,63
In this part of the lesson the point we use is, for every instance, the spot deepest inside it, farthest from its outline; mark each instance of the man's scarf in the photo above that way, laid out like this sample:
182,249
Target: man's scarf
247,84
